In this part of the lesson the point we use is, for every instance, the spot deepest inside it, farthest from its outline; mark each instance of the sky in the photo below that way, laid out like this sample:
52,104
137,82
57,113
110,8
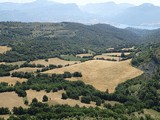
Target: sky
82,2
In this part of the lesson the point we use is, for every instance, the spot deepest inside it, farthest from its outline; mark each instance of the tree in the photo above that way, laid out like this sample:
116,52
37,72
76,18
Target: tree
64,96
34,100
67,75
26,102
21,93
86,99
46,60
77,74
109,106
98,102
4,111
19,111
107,91
123,55
45,98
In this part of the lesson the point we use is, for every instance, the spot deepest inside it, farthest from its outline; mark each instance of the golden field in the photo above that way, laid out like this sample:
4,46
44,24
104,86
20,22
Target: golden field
54,61
102,74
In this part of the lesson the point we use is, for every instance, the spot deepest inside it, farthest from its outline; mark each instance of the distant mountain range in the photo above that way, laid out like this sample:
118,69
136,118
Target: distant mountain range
145,15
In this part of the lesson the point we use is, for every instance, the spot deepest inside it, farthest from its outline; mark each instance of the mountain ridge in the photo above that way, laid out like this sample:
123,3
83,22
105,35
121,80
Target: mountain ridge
108,12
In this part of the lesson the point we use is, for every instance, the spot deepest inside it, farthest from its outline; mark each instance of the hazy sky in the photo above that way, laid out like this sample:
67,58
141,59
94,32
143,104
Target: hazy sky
81,2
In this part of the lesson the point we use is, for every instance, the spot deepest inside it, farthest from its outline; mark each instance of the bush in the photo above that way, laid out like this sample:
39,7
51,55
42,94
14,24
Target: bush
67,75
19,111
21,93
4,111
45,98
98,102
86,99
26,102
64,96
34,100
77,74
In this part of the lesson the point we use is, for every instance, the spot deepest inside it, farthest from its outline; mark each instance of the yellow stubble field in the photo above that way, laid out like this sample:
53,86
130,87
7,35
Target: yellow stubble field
102,74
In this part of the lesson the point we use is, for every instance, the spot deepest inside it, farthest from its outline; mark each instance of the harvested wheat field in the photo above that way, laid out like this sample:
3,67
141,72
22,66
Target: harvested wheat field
102,74
13,63
55,98
84,55
118,54
10,100
5,117
54,61
106,57
2,63
132,48
4,49
16,63
12,80
26,69
74,78
110,56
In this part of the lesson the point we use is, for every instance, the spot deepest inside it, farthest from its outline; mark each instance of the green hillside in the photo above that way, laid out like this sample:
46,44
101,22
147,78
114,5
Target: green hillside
40,40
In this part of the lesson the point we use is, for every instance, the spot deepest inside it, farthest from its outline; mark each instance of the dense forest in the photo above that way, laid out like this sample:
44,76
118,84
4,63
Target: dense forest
31,41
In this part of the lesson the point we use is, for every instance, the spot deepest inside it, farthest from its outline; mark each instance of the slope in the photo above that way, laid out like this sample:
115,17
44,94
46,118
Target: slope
30,41
101,74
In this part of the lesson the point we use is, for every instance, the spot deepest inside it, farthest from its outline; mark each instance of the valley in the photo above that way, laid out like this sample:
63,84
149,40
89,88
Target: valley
74,67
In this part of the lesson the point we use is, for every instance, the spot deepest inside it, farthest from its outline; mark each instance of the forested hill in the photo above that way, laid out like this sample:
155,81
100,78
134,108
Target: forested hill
40,40
146,36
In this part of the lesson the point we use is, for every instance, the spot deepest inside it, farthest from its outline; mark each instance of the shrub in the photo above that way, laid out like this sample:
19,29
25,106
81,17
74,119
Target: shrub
64,96
86,99
45,98
34,100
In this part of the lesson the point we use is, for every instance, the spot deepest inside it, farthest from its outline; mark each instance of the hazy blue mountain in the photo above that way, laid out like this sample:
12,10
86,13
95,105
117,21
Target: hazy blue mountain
108,9
145,15
41,11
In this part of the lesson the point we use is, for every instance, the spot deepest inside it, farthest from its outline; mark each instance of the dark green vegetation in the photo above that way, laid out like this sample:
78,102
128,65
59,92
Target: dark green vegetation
35,41
5,69
62,112
73,58
146,87
73,90
4,111
30,41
